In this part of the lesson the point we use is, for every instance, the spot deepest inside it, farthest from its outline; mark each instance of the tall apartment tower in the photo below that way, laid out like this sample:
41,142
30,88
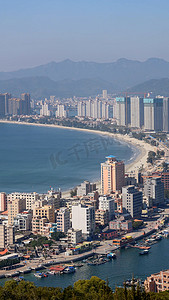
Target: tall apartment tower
45,110
166,114
105,111
153,114
25,97
2,105
14,208
3,201
112,175
61,111
7,97
81,109
104,94
137,112
14,106
89,108
122,111
154,189
132,200
63,220
83,218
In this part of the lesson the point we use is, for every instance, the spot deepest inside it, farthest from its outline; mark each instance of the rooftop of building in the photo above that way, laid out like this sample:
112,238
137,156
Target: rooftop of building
4,212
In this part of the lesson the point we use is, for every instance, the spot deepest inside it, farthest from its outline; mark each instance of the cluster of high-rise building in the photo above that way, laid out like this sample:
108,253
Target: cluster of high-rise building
14,106
146,113
95,109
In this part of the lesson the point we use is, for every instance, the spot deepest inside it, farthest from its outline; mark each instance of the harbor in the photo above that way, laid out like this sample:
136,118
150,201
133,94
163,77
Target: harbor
126,263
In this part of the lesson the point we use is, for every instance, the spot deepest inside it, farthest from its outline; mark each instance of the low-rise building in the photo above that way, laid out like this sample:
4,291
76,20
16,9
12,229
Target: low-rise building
109,234
85,188
74,236
124,225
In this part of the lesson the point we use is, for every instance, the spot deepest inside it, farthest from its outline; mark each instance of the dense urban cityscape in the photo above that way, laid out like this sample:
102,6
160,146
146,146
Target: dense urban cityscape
84,150
93,220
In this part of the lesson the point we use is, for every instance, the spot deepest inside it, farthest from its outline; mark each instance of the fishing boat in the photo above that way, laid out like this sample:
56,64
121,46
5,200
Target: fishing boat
146,251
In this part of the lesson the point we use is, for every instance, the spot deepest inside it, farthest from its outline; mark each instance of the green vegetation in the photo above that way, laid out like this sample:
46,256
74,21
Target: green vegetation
93,289
40,241
73,192
152,156
57,235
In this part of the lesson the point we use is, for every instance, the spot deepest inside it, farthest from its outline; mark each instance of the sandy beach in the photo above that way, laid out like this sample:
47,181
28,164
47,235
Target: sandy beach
139,162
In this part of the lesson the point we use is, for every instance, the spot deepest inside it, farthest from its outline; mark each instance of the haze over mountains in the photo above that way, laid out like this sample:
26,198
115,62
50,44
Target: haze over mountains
68,78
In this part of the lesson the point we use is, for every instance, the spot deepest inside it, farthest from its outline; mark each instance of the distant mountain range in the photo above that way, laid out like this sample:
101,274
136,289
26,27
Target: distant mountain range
153,86
68,78
43,87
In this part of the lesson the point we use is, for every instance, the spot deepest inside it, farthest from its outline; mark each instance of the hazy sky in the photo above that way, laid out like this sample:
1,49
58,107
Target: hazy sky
35,32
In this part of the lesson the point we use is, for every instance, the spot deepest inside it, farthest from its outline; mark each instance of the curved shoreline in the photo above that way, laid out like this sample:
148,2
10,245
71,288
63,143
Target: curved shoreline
139,161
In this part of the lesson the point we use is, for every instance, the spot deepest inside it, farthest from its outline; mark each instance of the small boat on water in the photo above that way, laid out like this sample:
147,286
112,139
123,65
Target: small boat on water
146,251
111,255
39,275
50,272
158,237
69,270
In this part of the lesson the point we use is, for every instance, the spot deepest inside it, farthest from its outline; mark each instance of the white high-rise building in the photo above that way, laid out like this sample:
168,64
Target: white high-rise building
45,110
107,203
137,112
81,109
61,112
132,200
166,114
89,108
83,218
105,111
153,114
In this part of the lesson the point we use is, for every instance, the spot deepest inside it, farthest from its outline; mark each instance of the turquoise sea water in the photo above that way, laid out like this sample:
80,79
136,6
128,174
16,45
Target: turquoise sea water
34,158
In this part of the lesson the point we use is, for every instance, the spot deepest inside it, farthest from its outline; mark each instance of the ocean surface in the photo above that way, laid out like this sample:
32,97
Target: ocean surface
36,158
